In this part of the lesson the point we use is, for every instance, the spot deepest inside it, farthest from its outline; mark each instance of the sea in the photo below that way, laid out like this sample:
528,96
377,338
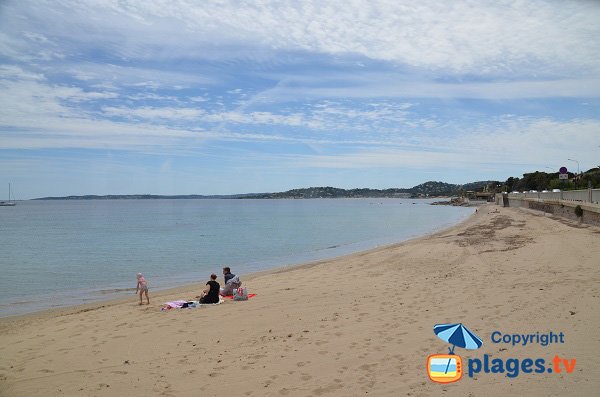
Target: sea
60,253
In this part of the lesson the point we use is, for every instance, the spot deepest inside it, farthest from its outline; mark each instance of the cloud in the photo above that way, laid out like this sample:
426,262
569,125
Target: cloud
26,46
151,113
13,72
33,101
37,113
132,75
501,143
256,118
198,99
148,96
304,86
484,38
396,85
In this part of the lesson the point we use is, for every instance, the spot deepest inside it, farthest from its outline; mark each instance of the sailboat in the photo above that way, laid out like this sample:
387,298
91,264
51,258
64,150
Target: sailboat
8,203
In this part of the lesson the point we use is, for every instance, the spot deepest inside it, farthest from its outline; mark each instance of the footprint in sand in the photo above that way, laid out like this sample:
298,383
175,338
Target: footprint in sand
326,390
65,349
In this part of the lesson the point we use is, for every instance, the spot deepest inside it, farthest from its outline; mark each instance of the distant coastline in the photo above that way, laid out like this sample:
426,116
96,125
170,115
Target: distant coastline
427,189
143,197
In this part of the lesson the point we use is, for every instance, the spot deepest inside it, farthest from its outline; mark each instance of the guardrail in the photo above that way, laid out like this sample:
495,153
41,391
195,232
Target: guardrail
586,196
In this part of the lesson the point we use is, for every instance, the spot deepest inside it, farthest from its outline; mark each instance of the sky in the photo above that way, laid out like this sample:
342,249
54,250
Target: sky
222,97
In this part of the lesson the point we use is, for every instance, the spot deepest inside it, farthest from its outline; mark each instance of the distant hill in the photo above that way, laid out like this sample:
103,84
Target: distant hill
435,189
424,189
479,186
535,180
430,188
332,192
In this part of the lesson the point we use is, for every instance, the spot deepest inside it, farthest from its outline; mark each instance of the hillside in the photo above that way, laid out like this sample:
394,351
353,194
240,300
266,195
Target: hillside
431,188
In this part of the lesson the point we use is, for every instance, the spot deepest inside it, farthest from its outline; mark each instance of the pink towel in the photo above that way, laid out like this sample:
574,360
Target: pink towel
173,305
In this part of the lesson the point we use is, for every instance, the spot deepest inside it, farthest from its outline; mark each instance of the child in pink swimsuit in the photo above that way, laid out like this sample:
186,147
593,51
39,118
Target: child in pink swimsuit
142,287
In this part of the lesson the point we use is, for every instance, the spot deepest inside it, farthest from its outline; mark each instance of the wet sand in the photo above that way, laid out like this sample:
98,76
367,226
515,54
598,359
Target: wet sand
356,325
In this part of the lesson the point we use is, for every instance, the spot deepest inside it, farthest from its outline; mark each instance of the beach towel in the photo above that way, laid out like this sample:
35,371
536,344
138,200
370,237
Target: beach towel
173,305
185,304
231,296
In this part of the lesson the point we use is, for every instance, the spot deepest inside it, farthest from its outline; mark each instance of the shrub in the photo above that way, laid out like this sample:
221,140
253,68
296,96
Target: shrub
578,211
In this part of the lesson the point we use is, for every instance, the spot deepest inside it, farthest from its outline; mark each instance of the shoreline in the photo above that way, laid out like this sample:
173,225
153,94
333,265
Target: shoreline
368,330
198,286
301,261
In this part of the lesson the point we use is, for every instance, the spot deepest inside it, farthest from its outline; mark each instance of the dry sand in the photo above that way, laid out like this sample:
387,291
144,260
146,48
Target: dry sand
353,326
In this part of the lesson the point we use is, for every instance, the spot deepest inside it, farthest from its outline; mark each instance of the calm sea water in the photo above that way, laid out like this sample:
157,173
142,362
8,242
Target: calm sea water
61,253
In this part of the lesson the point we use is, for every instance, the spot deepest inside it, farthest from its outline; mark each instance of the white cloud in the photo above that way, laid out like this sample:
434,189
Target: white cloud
502,37
396,85
150,113
33,101
498,144
255,118
198,99
27,47
13,72
134,76
145,96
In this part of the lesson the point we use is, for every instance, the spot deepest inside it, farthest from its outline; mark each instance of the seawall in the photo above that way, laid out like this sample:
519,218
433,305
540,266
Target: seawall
551,203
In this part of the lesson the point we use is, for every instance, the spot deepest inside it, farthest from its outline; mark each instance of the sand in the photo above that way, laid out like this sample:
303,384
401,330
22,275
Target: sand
354,326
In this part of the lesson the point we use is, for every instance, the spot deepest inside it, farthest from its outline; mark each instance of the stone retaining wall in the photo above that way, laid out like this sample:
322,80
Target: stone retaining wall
565,209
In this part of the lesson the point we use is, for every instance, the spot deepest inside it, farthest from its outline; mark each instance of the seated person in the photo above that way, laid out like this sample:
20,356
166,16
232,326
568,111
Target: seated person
231,282
211,293
227,274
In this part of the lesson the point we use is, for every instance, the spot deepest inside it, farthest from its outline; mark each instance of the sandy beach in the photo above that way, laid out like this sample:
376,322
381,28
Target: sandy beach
353,326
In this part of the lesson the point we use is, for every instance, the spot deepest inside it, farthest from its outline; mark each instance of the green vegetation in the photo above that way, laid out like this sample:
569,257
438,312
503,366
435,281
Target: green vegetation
423,190
531,181
579,211
546,181
426,189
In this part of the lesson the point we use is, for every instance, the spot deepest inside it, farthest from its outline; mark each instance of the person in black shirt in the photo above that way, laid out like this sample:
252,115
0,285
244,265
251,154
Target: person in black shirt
211,293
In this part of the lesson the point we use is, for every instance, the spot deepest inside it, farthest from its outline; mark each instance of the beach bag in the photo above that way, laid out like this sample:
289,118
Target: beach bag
240,294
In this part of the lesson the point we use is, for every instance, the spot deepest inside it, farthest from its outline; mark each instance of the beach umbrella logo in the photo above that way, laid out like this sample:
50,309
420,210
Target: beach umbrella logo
446,368
457,335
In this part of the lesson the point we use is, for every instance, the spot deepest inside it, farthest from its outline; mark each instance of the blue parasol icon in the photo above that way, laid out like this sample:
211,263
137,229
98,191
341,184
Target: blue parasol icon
457,335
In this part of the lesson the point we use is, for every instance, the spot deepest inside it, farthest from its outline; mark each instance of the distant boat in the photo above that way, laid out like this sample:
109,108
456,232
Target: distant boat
8,203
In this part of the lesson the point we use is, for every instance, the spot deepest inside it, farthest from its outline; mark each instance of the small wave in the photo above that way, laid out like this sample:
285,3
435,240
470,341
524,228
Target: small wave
328,248
114,290
17,303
